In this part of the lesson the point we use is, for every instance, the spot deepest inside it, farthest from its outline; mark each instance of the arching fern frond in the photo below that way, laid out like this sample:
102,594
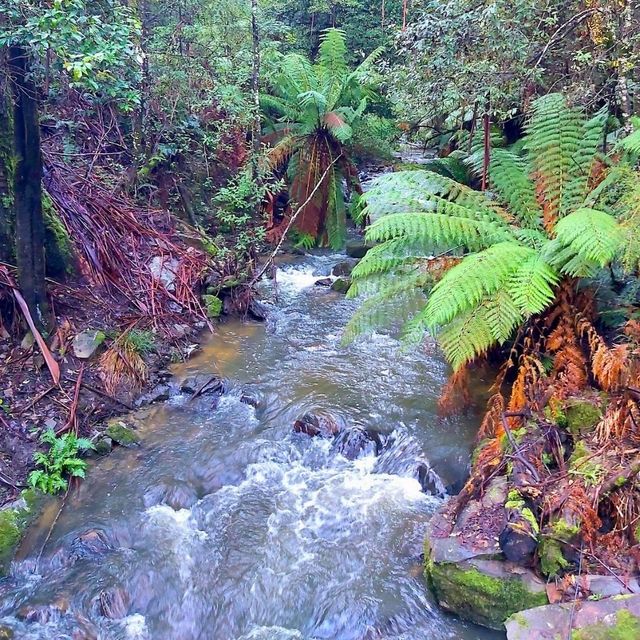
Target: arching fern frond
477,277
593,235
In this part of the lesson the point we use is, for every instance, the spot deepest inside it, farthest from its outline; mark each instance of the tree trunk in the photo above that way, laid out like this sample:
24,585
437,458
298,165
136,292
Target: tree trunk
623,64
255,89
6,164
27,187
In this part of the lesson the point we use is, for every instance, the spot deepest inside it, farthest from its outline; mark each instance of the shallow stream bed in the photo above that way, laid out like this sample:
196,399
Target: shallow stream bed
268,534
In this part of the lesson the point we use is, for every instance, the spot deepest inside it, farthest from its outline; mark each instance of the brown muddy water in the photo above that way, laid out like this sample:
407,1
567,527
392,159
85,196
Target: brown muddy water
226,525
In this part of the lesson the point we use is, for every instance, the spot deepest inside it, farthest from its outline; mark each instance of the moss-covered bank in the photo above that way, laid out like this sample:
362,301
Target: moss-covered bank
14,519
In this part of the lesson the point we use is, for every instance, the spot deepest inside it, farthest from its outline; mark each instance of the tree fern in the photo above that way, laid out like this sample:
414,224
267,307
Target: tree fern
509,263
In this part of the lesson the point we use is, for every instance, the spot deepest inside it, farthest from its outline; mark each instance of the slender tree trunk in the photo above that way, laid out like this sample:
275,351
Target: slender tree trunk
382,14
486,127
623,61
255,89
404,15
27,187
6,163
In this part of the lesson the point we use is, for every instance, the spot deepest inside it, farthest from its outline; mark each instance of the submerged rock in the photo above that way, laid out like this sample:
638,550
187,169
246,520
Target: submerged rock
314,425
176,494
113,603
354,442
90,544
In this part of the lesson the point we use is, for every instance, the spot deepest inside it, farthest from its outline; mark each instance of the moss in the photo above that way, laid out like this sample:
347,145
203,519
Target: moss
480,598
584,464
626,627
552,561
582,416
213,304
58,245
341,285
13,522
123,435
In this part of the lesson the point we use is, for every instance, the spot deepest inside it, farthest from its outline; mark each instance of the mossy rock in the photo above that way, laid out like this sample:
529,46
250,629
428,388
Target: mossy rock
582,416
625,627
483,591
341,285
121,434
14,519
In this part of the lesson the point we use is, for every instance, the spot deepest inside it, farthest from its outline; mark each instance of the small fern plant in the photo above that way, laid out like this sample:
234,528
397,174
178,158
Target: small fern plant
472,267
59,462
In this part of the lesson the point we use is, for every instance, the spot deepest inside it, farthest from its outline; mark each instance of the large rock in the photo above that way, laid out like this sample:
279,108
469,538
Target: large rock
87,342
344,268
341,285
466,571
615,618
312,424
354,442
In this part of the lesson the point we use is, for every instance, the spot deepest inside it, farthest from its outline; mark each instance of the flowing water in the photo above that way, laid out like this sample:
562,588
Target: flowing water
227,525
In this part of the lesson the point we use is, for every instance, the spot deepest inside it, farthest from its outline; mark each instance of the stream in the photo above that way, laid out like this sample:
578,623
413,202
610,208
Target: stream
227,525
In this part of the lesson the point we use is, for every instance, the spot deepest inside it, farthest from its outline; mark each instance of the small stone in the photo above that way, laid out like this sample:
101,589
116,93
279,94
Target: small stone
50,424
87,342
104,446
27,341
316,425
202,384
165,270
114,603
6,633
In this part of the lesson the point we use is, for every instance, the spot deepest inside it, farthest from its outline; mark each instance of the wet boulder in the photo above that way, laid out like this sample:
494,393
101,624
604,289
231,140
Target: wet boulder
343,269
341,285
90,544
122,434
202,384
324,282
429,480
177,495
357,248
258,310
313,425
355,442
252,399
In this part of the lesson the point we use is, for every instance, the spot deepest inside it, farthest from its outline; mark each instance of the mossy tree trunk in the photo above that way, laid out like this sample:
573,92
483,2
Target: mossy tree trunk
6,163
27,186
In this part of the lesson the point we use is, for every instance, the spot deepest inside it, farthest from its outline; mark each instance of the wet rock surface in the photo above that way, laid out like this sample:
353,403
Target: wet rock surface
615,618
311,424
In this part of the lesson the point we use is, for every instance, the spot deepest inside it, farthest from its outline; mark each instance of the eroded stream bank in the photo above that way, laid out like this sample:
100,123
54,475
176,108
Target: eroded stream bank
227,525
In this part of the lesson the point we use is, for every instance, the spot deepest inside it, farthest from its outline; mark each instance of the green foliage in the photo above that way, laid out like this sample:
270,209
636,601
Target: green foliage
60,461
213,304
139,340
94,44
510,265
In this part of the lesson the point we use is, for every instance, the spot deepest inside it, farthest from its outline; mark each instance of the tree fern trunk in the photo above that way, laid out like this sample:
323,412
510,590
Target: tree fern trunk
255,88
27,186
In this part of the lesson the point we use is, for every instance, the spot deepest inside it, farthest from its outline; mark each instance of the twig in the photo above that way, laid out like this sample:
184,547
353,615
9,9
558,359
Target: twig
37,399
71,421
291,221
51,528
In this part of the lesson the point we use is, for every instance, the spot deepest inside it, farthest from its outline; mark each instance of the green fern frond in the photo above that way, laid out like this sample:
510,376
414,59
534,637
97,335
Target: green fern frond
467,337
555,134
530,286
336,220
593,235
630,144
478,276
440,231
392,304
332,54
